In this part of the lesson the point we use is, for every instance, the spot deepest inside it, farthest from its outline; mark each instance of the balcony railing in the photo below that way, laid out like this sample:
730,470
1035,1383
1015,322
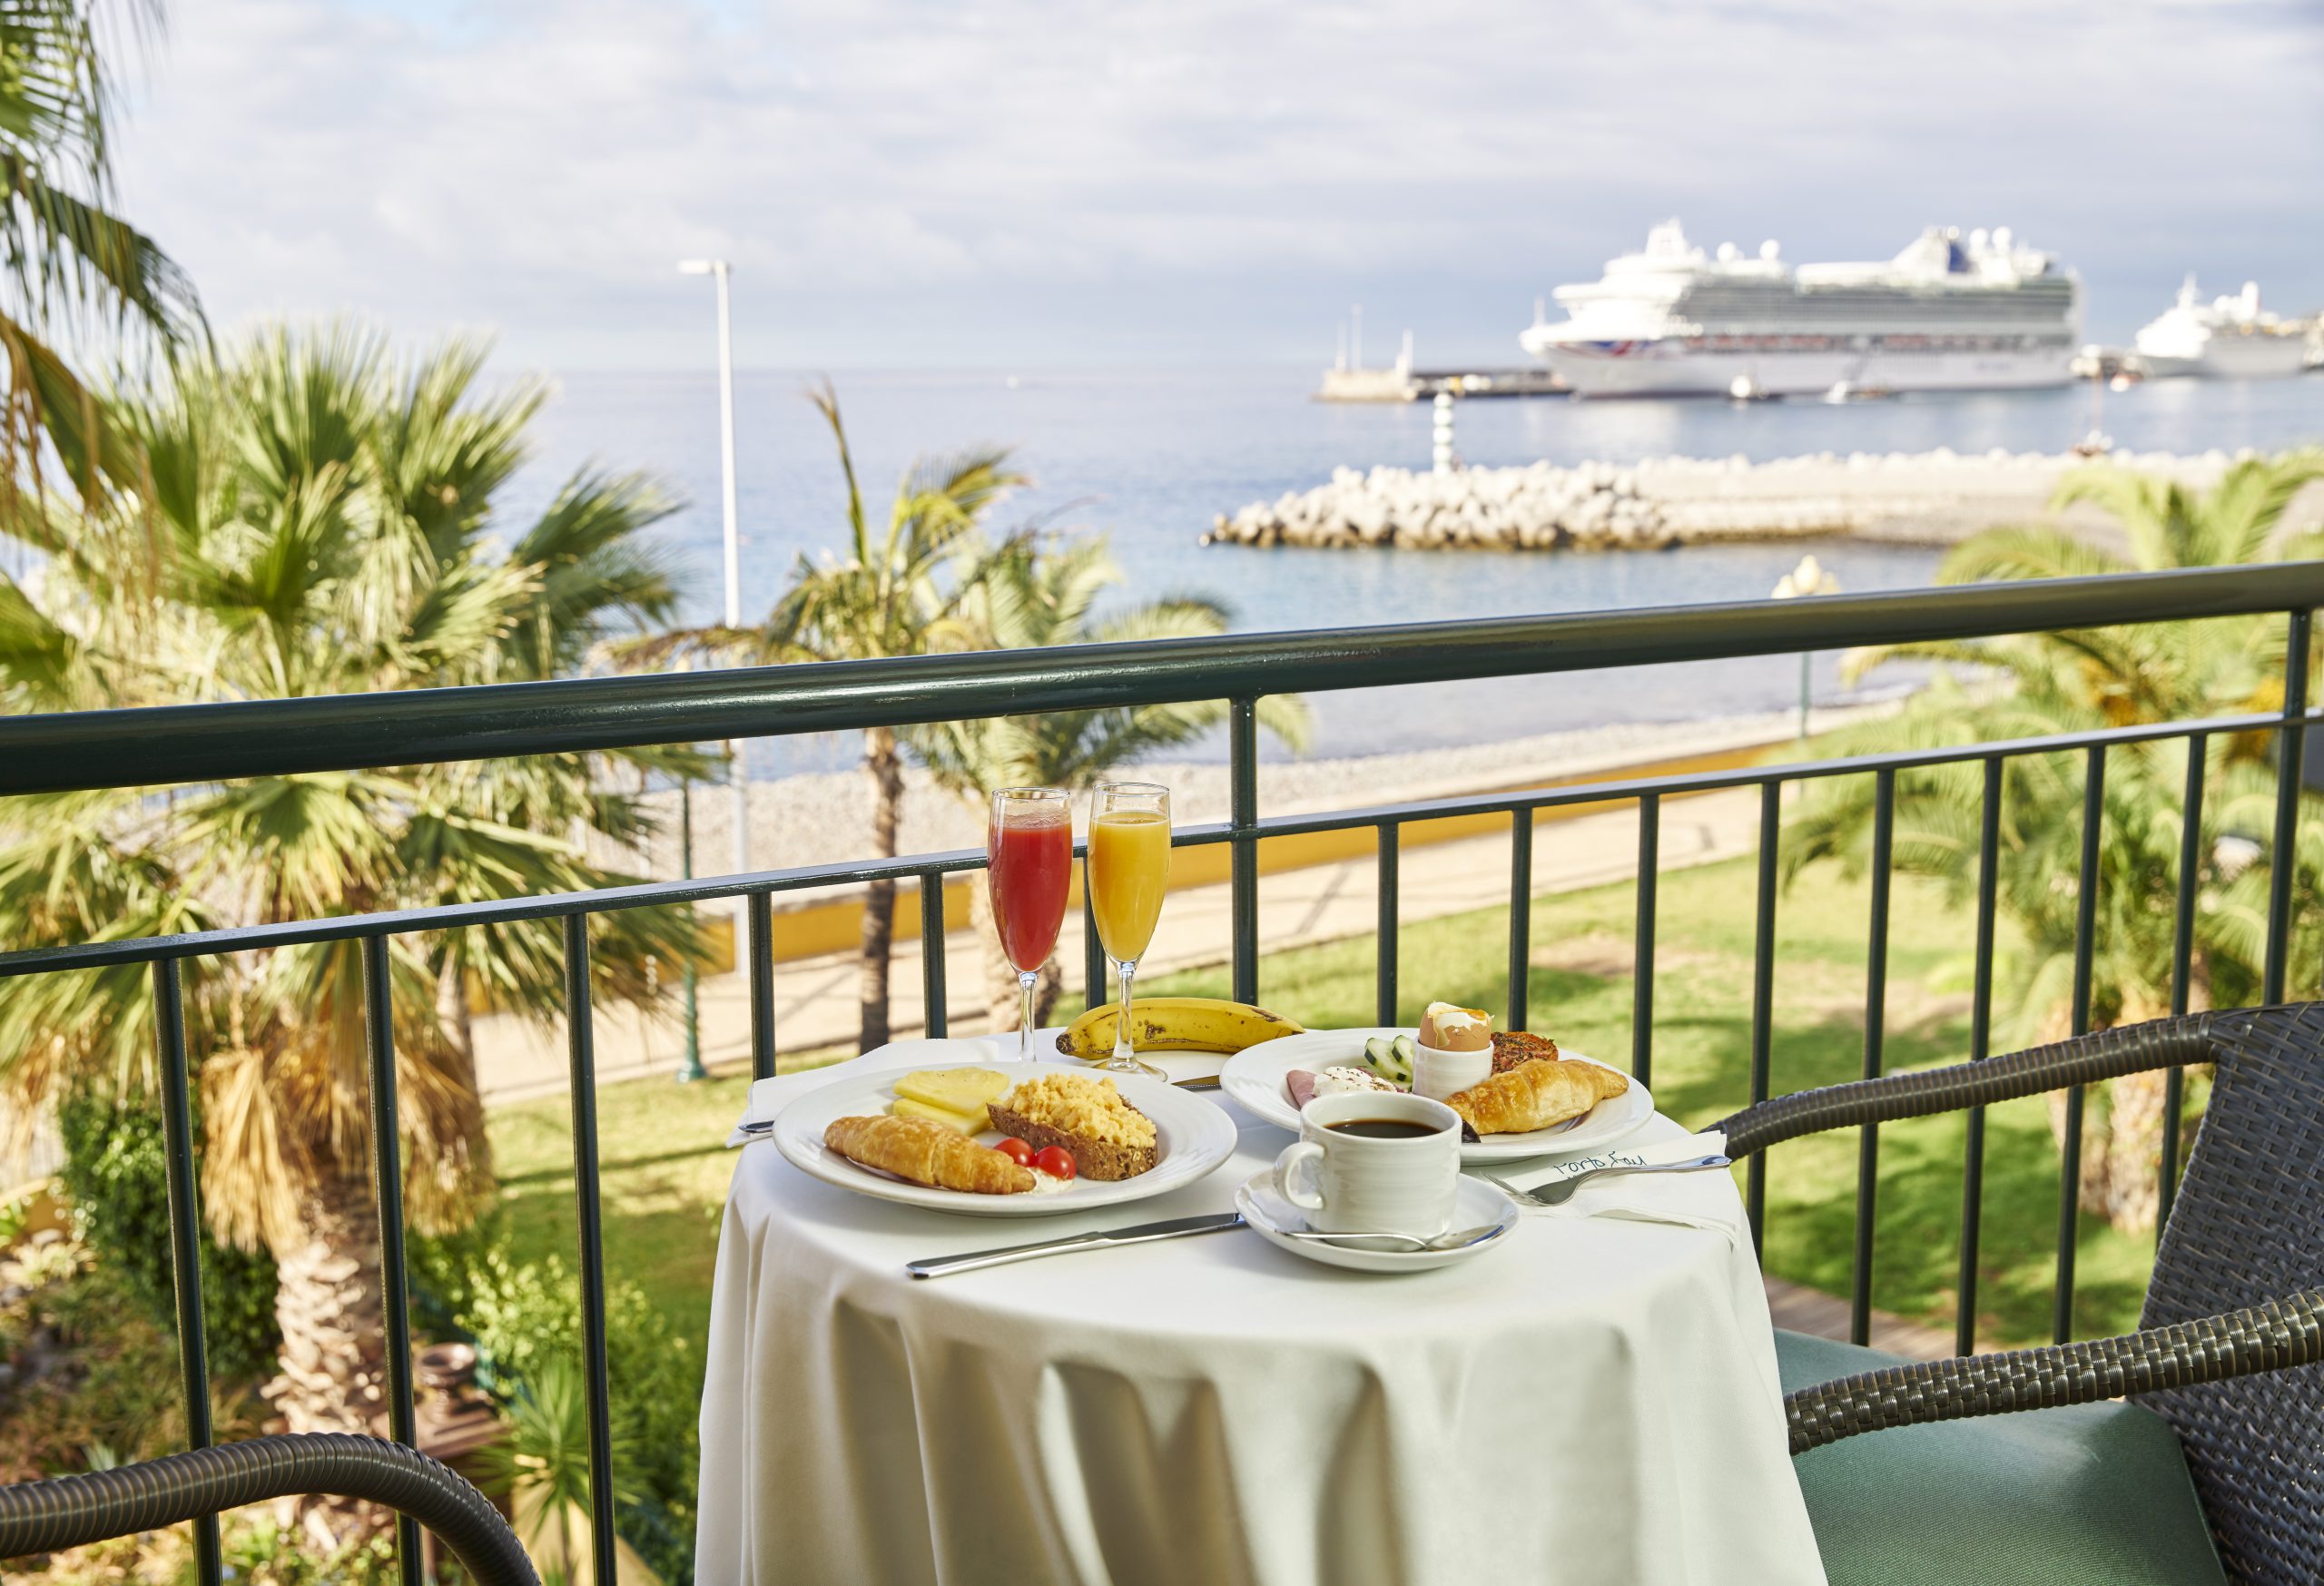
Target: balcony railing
218,742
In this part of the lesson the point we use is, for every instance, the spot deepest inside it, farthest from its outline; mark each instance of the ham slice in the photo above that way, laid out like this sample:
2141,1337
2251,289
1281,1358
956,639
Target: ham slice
1301,1083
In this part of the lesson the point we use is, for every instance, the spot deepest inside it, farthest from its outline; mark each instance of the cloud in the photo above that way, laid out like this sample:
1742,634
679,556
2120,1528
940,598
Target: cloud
1027,181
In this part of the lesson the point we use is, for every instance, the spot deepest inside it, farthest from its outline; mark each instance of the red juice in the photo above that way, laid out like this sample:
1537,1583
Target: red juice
1030,867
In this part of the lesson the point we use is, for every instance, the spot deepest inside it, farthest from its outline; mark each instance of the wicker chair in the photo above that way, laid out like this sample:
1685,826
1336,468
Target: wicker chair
2214,1469
45,1517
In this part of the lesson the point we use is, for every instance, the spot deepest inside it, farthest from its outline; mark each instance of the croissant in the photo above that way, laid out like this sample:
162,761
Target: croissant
927,1153
1535,1096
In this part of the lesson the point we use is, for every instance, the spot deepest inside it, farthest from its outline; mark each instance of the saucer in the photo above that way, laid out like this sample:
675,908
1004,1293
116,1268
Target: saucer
1475,1205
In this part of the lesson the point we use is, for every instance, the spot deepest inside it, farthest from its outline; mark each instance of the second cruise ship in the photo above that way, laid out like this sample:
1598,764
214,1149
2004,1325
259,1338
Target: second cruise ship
1949,313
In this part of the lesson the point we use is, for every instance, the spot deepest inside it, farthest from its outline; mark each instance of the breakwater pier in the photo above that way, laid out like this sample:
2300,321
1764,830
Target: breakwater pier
1934,497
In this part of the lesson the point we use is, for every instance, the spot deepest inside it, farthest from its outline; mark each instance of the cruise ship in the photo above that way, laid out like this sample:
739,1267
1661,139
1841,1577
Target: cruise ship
2225,338
1949,313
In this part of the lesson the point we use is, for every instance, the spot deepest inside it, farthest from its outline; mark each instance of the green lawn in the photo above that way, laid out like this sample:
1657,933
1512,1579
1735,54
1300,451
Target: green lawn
664,1175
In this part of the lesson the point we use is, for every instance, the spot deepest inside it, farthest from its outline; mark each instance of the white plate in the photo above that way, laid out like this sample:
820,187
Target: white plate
1477,1205
1254,1079
1194,1135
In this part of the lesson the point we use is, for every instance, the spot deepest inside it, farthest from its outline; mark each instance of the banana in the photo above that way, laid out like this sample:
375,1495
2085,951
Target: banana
1175,1024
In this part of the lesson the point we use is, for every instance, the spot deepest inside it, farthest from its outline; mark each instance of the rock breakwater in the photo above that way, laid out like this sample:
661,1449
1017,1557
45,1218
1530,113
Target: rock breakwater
1935,497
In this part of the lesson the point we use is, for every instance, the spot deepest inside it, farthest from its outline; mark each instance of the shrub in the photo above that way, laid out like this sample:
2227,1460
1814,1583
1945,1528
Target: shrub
86,1379
118,1178
525,1319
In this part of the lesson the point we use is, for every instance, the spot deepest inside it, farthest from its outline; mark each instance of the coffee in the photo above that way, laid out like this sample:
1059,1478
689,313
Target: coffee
1382,1129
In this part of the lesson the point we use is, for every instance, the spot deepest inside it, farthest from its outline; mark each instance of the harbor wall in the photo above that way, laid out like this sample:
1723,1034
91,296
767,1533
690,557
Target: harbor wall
1934,497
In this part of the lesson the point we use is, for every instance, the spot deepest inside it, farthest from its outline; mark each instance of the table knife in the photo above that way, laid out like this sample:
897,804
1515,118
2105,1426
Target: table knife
1138,1234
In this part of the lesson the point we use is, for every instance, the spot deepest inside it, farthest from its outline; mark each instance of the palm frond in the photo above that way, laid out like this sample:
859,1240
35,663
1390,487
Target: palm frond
2029,551
68,253
825,397
2153,512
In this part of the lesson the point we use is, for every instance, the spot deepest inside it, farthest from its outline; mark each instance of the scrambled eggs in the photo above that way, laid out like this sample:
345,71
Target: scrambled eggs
1091,1108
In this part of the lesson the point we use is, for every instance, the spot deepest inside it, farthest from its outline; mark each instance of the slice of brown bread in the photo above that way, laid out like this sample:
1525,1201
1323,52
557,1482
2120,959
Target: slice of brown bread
1516,1047
1099,1159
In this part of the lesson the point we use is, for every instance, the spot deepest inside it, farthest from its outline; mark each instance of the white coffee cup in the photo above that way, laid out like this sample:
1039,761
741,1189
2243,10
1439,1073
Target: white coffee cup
1369,1184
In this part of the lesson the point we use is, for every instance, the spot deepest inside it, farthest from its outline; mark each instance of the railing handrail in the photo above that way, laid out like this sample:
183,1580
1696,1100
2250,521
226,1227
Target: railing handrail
114,951
68,751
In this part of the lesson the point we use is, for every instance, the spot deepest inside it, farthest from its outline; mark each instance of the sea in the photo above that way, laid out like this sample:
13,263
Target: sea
1146,458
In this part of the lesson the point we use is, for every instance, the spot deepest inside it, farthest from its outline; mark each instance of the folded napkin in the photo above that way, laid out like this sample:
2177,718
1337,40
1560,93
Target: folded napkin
769,1097
1700,1199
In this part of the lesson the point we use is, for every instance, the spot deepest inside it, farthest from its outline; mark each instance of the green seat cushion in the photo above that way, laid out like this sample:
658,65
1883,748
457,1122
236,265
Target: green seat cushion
2087,1495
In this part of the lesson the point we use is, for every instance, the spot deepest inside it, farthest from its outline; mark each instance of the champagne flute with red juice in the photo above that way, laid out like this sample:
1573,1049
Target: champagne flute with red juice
1029,862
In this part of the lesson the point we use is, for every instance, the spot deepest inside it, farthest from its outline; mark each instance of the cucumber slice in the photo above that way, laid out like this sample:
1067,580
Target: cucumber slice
1392,1059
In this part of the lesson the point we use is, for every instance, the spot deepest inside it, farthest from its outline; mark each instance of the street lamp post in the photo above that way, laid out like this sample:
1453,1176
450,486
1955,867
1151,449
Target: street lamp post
1810,577
718,270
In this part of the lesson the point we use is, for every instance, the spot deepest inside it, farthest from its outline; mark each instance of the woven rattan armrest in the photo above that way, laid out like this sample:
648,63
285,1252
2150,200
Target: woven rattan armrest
2161,1044
44,1517
2283,1333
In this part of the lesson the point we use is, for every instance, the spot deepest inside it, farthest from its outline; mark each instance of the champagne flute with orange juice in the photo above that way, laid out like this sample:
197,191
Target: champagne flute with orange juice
1128,870
1028,863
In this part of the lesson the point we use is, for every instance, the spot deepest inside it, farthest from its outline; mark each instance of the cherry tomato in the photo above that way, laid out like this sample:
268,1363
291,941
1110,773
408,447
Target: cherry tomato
1056,1161
1016,1151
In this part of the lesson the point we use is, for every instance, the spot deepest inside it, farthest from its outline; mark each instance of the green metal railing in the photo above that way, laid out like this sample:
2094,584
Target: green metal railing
213,742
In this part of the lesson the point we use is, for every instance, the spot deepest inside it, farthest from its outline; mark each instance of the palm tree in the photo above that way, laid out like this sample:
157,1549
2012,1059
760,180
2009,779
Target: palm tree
2077,682
899,591
1043,591
66,254
324,525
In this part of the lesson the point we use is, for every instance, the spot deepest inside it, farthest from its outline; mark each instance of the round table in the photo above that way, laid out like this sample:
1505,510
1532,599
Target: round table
1594,1400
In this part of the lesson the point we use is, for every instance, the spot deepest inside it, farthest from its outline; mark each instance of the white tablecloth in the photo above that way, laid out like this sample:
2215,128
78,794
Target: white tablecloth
1594,1403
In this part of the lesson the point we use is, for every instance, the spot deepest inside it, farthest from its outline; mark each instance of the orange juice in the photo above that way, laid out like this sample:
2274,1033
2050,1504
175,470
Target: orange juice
1129,870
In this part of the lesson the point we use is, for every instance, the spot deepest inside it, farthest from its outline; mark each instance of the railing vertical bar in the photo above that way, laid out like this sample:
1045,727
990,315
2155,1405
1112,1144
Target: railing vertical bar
1981,1027
1649,867
761,906
581,1048
185,1240
1384,964
932,953
1763,1000
2290,743
386,1184
1521,914
1876,1038
2085,941
1095,992
1243,748
2183,965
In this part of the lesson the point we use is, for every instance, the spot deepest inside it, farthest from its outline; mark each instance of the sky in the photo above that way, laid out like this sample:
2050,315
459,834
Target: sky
996,183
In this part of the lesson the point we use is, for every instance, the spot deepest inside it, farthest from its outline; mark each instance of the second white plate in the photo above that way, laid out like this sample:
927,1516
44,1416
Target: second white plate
1254,1079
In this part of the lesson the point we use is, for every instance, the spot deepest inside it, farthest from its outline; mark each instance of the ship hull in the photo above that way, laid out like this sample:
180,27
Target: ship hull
1671,368
2234,357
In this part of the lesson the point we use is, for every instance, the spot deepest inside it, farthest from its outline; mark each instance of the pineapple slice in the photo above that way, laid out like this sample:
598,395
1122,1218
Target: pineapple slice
954,1089
967,1123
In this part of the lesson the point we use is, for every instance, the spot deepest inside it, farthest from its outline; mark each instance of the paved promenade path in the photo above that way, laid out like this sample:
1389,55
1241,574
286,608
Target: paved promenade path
815,997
